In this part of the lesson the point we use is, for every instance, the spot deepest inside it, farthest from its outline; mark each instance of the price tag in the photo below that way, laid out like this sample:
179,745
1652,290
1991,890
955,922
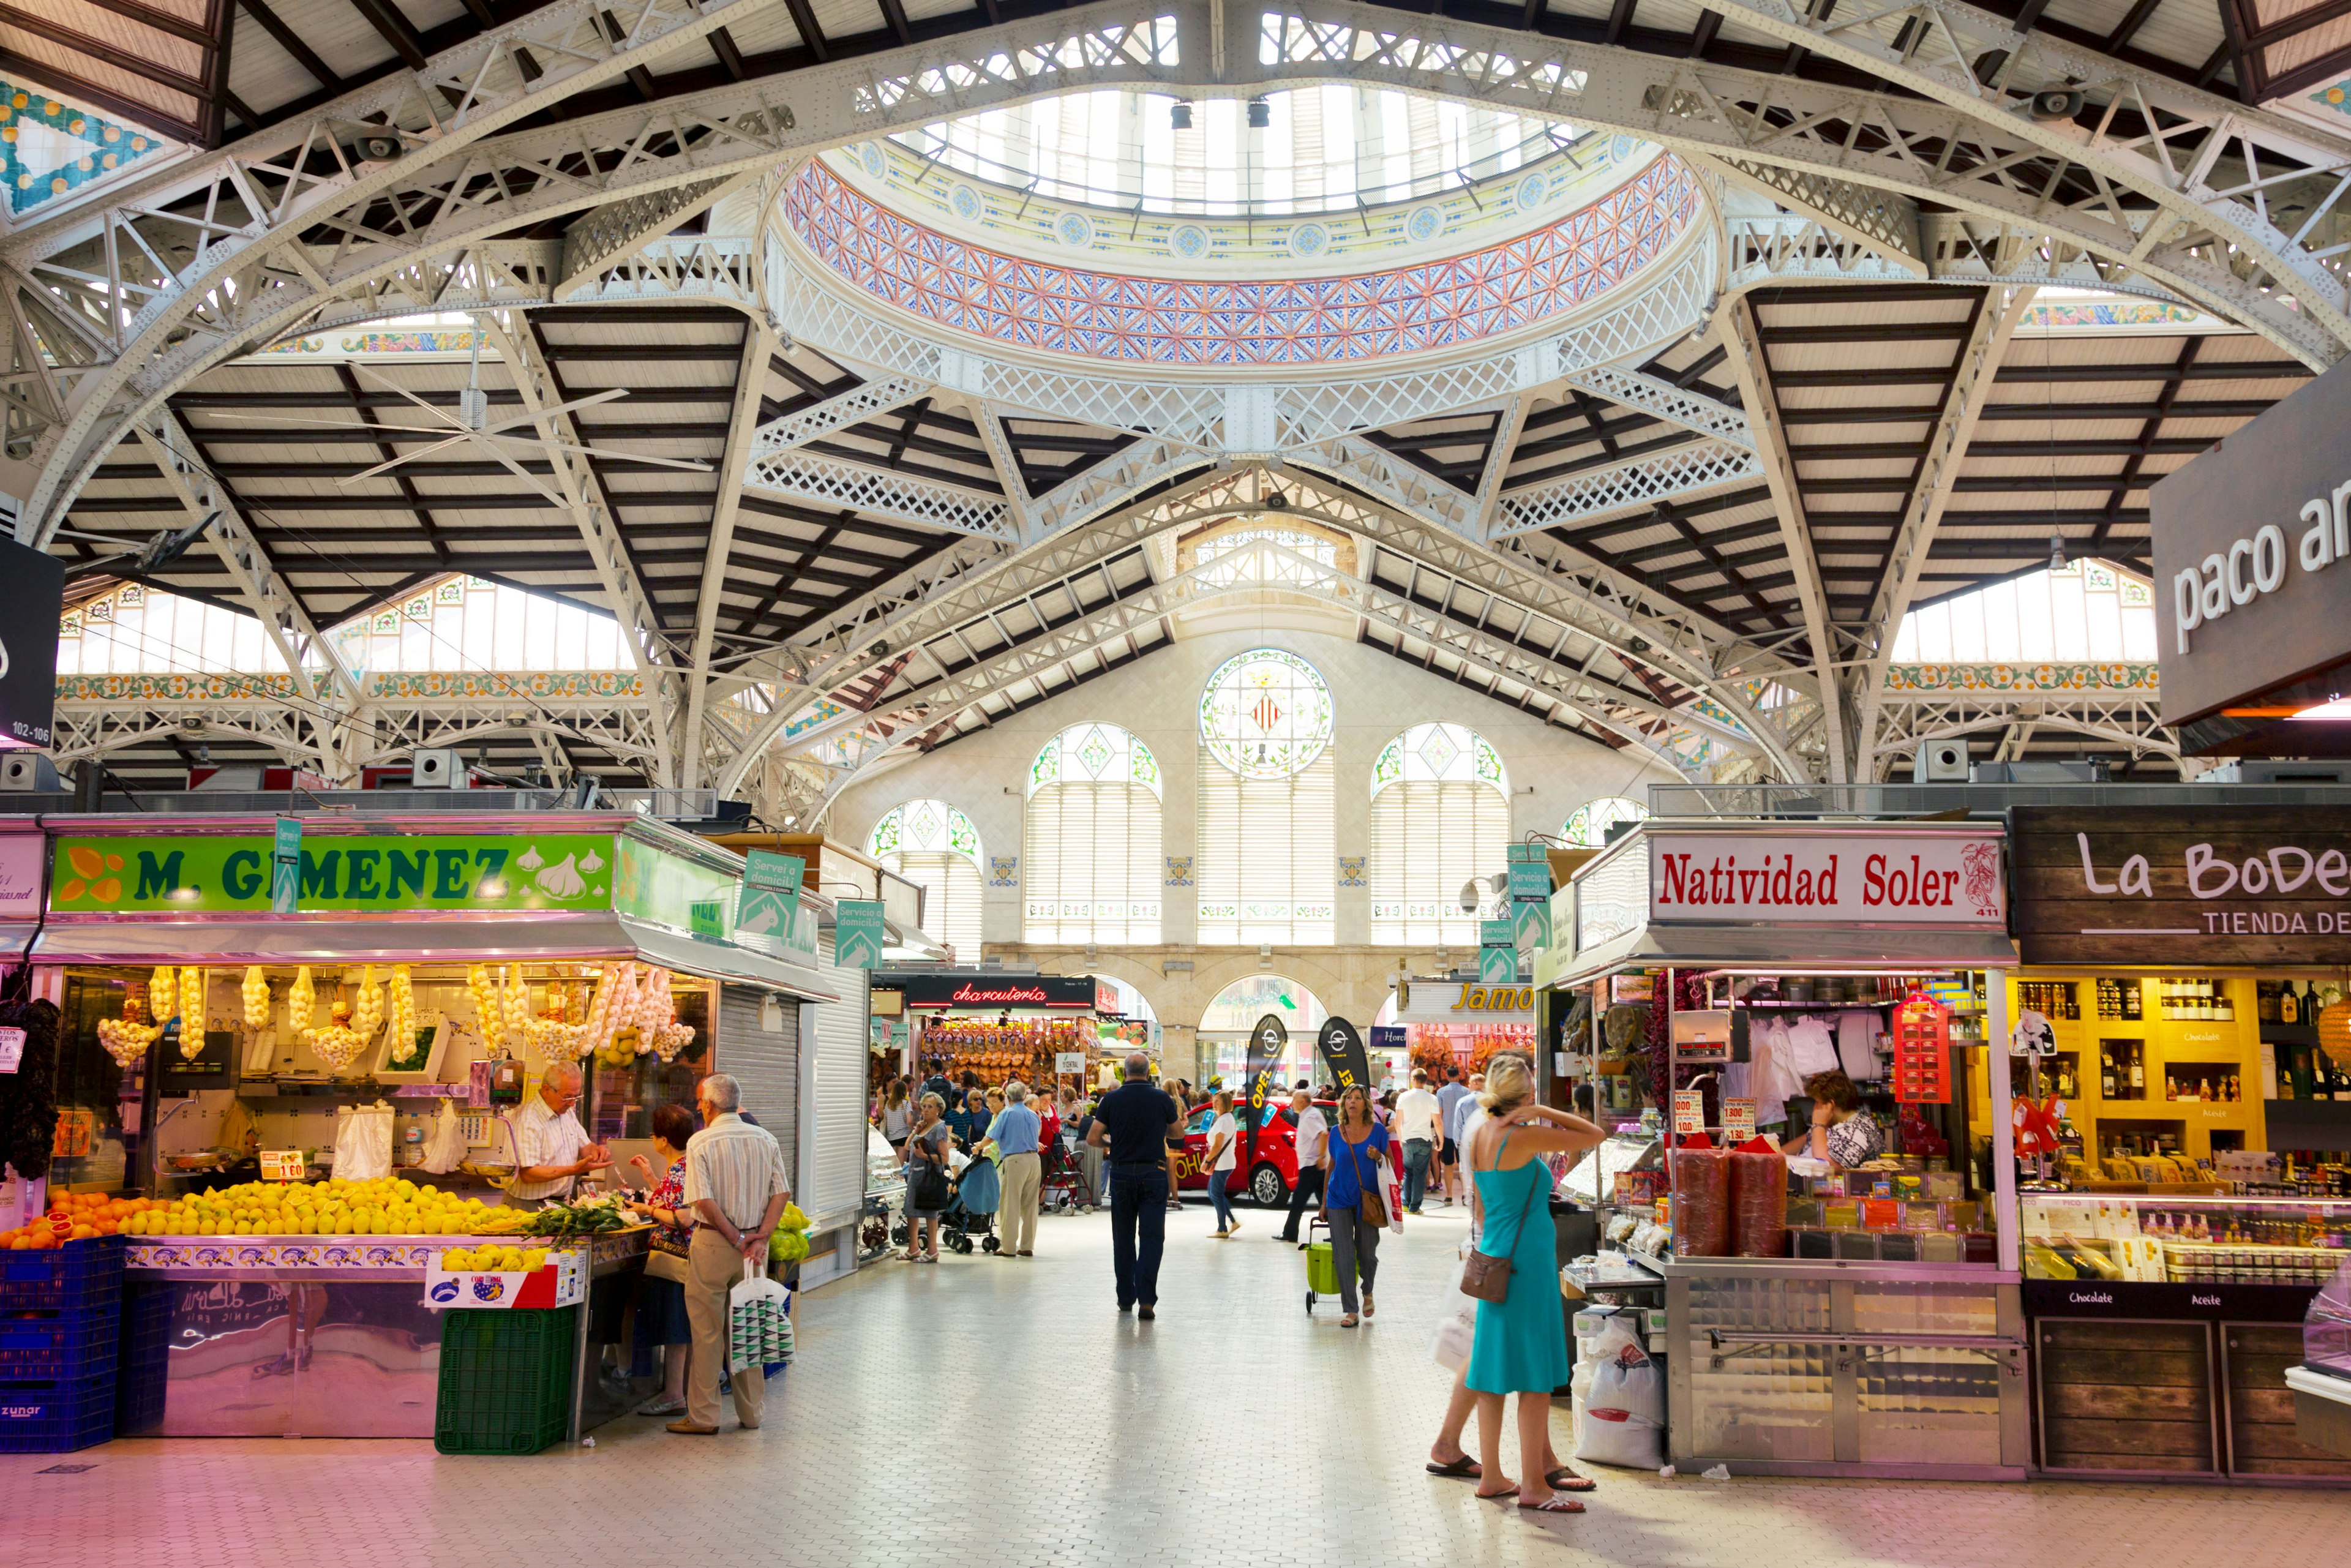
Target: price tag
11,1049
1068,1062
282,1164
1690,1112
1738,1121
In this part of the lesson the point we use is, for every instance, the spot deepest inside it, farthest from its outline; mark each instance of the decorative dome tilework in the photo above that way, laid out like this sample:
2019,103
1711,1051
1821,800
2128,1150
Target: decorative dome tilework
1189,241
1309,240
1105,316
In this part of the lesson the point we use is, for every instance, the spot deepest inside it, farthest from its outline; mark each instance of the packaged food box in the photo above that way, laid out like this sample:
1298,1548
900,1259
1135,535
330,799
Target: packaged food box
1945,1185
1880,1214
1842,1214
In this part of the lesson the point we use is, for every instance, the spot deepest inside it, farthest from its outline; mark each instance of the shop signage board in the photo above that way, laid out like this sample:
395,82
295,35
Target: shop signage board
21,859
2131,1299
1070,993
1497,952
2215,886
1841,878
857,933
2252,555
32,596
203,873
779,873
1066,1063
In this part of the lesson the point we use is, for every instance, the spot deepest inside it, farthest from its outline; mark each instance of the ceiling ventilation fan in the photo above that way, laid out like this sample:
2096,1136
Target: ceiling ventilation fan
471,425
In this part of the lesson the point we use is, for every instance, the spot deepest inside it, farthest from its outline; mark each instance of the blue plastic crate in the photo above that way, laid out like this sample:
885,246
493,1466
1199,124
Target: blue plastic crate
44,1347
142,1364
56,1417
75,1277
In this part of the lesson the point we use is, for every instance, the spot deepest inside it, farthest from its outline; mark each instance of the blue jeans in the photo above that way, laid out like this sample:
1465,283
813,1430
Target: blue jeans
1220,1198
1417,1152
1138,1230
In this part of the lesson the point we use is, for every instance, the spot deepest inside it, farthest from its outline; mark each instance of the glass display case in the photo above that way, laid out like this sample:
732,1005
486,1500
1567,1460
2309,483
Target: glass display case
2327,1328
2184,1241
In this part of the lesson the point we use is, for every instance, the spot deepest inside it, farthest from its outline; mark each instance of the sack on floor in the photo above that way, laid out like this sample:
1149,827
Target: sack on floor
1624,1416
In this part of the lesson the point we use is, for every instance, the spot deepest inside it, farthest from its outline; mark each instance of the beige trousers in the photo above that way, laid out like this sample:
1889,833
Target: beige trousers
1020,1174
716,1268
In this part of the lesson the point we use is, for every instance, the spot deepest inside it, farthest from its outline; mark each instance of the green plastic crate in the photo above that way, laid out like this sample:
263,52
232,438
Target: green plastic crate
506,1380
1321,1270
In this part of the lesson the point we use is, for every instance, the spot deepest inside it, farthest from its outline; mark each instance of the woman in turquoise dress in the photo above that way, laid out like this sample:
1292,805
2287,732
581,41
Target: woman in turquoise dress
1520,1344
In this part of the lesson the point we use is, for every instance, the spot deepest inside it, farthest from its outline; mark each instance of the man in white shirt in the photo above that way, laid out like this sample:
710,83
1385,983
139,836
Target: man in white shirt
1418,1122
735,1183
1313,1130
551,1148
1451,1098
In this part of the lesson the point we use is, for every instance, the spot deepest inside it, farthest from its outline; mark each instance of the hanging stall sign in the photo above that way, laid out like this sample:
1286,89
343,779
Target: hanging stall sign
1922,1054
21,859
1889,878
1055,993
1497,952
286,866
857,934
780,874
2212,887
1343,1056
32,597
204,873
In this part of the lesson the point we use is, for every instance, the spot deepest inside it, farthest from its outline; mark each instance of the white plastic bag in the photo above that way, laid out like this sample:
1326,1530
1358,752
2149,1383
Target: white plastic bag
1455,1335
1392,1195
759,1319
1624,1416
446,1146
363,1143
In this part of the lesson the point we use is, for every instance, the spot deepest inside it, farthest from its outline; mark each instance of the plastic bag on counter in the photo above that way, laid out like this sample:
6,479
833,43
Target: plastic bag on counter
1758,1205
1701,1203
446,1146
363,1143
1624,1413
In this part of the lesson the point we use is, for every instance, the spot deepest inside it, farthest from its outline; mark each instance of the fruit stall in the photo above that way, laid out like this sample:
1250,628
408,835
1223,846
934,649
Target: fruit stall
285,1106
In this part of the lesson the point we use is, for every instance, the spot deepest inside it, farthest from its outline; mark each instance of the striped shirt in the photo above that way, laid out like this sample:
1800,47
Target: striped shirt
545,1138
737,1165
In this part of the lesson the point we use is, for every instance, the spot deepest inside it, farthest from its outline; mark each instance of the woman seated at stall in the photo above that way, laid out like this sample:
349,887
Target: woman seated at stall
1842,1131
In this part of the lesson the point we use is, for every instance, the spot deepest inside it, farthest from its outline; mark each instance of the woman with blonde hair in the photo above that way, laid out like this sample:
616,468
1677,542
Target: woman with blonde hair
1520,1344
1352,1159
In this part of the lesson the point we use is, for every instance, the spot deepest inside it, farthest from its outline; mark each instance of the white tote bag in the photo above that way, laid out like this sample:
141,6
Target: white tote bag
759,1319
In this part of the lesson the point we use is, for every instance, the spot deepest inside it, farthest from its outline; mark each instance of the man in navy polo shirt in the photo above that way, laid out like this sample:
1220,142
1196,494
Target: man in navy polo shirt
1131,1121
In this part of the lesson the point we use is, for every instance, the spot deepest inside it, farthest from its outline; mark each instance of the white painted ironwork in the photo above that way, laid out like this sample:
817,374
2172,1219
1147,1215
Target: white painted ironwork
859,403
831,482
1692,470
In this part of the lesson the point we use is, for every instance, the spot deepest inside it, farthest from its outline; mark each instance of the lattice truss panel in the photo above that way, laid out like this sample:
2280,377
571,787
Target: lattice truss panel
2130,722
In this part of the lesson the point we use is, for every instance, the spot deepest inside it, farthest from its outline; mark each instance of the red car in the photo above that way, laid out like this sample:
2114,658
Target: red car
1271,1177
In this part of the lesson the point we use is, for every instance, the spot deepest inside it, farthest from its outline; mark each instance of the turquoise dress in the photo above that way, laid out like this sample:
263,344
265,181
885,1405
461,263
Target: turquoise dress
1521,1344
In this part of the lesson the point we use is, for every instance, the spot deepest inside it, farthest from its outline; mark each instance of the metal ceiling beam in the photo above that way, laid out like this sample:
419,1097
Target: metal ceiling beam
859,403
759,345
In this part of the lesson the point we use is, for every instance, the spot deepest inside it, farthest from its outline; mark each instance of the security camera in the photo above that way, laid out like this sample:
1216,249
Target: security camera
1473,893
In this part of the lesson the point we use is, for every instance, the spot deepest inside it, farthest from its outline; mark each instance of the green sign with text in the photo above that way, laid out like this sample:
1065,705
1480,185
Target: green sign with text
343,871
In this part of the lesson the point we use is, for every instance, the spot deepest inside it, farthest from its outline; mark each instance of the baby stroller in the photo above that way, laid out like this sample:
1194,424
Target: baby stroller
972,1211
1061,1184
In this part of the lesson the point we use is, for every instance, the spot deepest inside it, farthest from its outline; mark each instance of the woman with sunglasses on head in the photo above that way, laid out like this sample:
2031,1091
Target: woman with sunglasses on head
1352,1159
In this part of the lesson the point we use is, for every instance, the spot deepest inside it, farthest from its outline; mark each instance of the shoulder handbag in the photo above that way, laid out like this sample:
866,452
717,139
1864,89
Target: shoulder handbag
1484,1275
1373,1210
929,1190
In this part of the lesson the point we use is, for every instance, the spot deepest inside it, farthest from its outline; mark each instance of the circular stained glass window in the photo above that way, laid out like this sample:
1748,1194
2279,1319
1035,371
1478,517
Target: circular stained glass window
1266,713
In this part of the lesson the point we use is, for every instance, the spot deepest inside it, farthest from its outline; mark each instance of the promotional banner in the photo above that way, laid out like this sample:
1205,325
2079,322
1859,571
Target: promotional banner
1531,893
286,866
1269,1039
1343,1056
32,596
770,894
857,933
1497,952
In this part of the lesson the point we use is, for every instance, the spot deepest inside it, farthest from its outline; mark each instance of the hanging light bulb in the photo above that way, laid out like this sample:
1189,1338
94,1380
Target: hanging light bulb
1260,114
1179,115
2056,552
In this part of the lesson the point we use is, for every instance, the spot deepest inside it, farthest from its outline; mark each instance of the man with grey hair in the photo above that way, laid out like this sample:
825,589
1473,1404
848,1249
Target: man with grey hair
1132,1123
551,1148
735,1183
1017,1132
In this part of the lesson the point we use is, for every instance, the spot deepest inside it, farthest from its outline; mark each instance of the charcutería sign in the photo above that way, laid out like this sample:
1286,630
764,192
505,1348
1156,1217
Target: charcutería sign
2219,885
1073,993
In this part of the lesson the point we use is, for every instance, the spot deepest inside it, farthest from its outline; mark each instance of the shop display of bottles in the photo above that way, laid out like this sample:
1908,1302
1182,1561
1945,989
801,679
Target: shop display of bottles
2293,1003
2196,1001
2199,1083
2050,999
2118,999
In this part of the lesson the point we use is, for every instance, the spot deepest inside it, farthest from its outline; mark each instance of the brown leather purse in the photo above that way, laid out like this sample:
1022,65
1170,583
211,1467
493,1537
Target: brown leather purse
1371,1206
1484,1275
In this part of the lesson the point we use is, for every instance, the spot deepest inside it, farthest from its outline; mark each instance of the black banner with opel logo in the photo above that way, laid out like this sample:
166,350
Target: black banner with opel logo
1344,1055
1268,1038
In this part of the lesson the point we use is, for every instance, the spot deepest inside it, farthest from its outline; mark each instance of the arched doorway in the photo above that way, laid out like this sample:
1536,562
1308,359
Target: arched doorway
1225,1022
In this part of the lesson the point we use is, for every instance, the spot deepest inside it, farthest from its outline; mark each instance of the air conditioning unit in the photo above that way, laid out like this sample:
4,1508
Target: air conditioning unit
1940,762
436,767
2273,770
28,772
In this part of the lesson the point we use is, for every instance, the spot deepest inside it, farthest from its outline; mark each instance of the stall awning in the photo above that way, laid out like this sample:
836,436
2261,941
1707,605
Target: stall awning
1770,949
415,938
14,938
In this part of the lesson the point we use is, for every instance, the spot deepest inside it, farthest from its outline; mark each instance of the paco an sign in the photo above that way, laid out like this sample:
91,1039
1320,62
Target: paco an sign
2218,885
2251,539
1865,878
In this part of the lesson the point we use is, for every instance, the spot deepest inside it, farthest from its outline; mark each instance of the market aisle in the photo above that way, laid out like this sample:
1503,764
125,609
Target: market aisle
1001,1412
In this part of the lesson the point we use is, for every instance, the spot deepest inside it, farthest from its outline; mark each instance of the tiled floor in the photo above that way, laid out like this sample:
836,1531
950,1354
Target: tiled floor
1000,1412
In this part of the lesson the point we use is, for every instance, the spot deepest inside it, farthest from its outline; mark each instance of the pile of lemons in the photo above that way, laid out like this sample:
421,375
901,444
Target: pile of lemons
490,1260
384,1207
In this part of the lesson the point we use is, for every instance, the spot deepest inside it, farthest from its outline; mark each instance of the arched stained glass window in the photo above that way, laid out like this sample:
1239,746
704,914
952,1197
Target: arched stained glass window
1440,816
934,846
1587,826
1267,867
1092,871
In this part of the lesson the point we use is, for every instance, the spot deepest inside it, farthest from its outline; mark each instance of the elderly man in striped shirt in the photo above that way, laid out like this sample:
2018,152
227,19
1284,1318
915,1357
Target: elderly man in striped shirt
735,1183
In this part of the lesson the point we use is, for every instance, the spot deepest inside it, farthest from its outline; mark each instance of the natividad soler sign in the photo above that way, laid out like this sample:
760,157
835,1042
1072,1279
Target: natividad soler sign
2252,555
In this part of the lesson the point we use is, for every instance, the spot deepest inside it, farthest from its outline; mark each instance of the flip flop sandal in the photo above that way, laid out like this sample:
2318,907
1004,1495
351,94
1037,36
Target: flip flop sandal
1565,1479
1464,1468
1509,1496
1552,1504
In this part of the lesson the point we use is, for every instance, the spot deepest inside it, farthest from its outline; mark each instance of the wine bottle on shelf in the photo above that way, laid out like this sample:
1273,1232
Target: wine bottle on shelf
2106,1075
2289,1005
2139,1075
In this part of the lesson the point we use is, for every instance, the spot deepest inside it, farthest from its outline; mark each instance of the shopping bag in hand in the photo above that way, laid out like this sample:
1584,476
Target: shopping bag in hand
759,1321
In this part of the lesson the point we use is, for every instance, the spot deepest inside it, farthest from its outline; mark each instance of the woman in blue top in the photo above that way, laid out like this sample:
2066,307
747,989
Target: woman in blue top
1351,1159
1520,1344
